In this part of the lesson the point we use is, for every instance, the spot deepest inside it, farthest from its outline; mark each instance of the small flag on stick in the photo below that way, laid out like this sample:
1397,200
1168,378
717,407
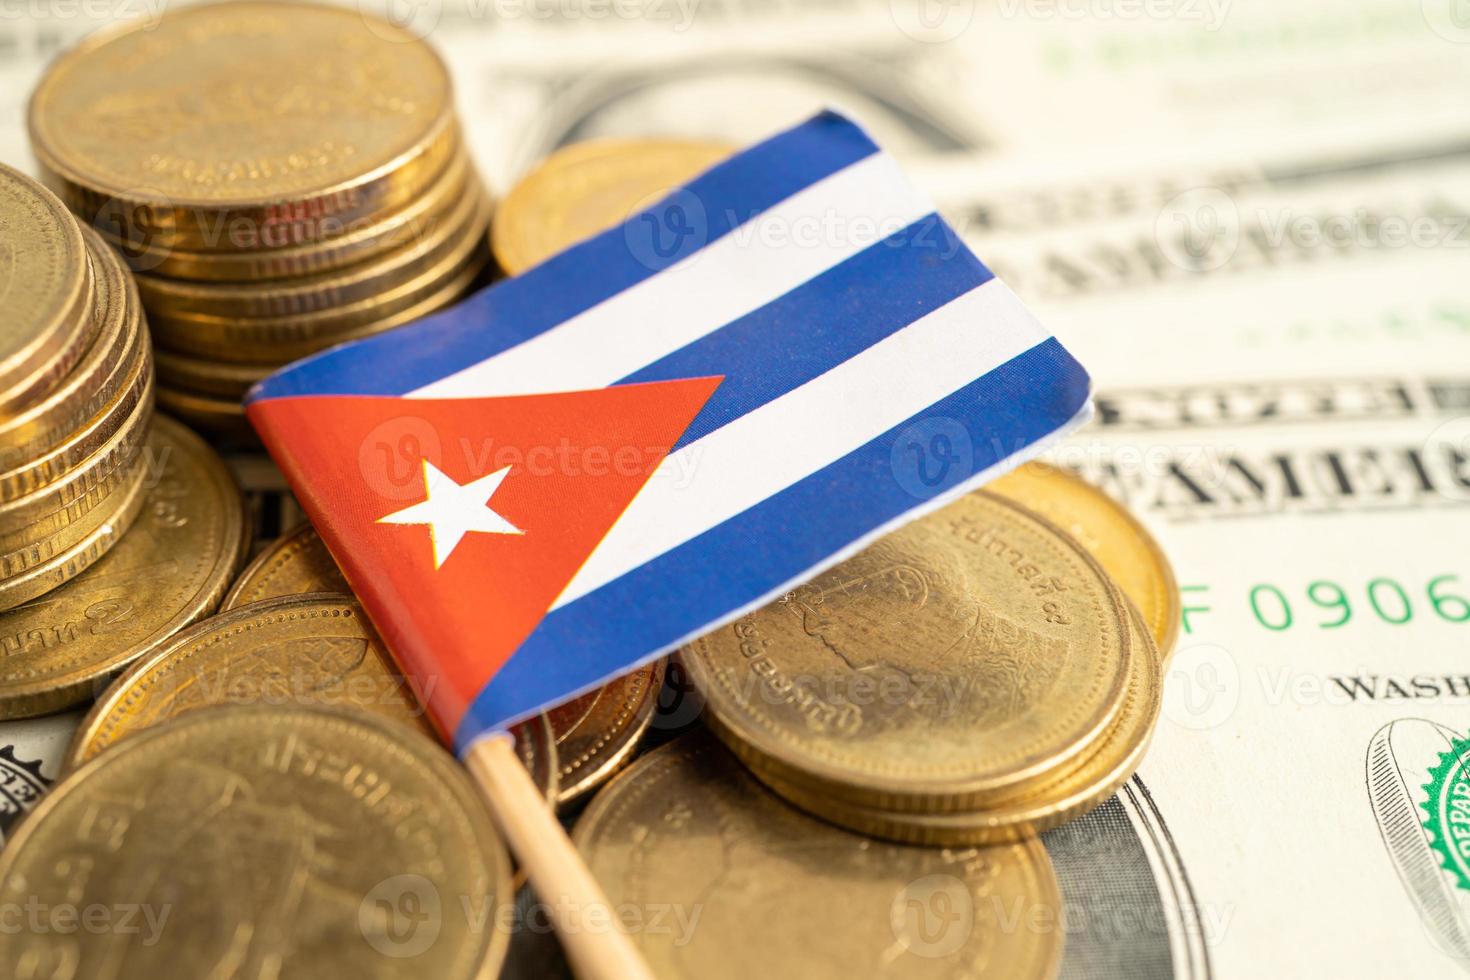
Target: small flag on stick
580,468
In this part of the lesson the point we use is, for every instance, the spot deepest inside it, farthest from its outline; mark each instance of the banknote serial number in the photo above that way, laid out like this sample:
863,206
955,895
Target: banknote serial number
1328,604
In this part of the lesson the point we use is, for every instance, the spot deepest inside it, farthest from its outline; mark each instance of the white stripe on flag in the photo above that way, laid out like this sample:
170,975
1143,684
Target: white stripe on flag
712,479
757,261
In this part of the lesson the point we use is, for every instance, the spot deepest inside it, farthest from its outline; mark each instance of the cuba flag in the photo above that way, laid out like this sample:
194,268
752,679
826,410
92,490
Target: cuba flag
583,467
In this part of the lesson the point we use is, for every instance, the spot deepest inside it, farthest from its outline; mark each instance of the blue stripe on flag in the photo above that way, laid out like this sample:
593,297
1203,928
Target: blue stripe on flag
823,322
517,309
579,645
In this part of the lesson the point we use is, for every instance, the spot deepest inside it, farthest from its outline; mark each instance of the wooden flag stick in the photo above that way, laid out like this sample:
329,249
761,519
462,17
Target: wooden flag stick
590,933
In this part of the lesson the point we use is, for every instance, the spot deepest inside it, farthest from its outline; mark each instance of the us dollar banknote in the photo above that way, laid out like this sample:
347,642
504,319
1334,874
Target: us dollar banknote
1285,401
1131,81
1247,218
31,752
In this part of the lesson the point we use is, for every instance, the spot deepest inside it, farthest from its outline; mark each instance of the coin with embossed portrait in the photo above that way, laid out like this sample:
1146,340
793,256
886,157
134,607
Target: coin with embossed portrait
1113,536
262,841
311,649
1033,808
590,187
973,651
716,877
593,735
168,571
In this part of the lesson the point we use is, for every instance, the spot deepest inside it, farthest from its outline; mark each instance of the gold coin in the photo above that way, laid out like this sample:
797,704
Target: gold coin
45,290
294,563
242,126
215,416
278,340
342,243
745,885
1121,545
210,379
171,570
1085,785
120,488
597,733
67,463
316,649
48,510
536,748
323,292
106,525
299,562
972,651
587,188
95,381
262,842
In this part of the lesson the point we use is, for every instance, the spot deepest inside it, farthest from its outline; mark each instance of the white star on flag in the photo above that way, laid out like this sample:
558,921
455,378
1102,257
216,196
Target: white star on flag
453,510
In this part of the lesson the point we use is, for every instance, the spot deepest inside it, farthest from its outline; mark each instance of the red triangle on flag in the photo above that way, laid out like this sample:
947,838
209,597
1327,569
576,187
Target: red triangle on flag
453,583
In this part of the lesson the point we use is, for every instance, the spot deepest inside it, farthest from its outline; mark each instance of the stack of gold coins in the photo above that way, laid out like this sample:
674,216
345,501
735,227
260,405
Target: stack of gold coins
280,176
974,677
76,394
169,570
